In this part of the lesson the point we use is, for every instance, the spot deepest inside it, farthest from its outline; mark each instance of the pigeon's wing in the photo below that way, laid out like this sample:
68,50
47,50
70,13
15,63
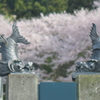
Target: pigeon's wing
16,36
93,34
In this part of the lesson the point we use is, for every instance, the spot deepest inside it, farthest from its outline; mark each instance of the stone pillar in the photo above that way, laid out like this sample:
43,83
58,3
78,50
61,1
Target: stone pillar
22,86
1,89
88,87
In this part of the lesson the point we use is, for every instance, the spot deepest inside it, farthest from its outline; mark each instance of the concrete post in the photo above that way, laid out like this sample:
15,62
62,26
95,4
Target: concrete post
88,87
22,86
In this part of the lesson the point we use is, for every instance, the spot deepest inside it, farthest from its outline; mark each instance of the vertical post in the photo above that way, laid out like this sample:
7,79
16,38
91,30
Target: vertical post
22,86
1,89
88,87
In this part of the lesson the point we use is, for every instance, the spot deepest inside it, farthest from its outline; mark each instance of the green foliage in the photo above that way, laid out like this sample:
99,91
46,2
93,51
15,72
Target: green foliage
55,5
78,4
47,67
3,7
62,70
38,8
33,8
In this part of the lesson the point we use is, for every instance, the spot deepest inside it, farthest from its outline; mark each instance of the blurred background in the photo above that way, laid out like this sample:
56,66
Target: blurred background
58,31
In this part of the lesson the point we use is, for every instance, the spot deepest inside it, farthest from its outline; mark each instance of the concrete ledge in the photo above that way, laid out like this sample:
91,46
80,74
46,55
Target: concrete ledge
88,87
22,86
